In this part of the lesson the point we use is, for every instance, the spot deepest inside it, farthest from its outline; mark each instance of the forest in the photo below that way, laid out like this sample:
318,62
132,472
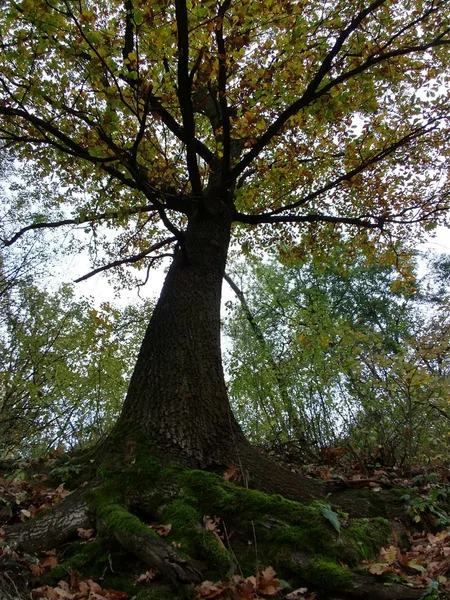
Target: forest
276,423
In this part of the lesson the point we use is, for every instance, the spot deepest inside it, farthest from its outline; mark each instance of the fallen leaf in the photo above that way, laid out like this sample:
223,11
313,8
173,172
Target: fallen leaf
161,530
297,594
147,576
24,514
85,533
231,474
208,589
37,569
211,525
388,555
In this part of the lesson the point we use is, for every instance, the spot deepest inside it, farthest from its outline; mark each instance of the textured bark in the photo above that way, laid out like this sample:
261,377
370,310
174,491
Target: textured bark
177,393
364,586
158,555
52,529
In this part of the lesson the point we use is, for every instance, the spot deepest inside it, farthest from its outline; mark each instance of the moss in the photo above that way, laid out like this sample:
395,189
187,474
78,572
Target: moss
327,575
213,492
187,530
90,559
302,538
292,523
362,539
118,518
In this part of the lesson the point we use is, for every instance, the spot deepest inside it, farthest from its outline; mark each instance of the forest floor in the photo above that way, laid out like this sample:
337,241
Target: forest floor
419,560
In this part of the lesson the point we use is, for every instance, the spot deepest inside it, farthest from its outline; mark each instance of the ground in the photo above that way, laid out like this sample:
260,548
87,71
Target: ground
149,531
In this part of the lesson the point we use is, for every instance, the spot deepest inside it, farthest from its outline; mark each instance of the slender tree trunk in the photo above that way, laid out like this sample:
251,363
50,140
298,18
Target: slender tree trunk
177,393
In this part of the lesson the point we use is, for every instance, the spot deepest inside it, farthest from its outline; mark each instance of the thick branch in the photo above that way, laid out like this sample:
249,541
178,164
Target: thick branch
184,95
222,81
312,93
377,222
359,169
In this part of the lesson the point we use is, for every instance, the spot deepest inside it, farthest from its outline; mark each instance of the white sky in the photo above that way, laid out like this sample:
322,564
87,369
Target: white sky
100,290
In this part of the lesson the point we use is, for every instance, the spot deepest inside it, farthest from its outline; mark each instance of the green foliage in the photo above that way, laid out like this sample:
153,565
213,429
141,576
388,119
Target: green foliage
341,349
310,117
64,367
433,503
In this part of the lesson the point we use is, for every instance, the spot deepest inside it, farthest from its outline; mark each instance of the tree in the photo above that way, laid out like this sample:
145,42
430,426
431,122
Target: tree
190,123
342,353
64,367
195,122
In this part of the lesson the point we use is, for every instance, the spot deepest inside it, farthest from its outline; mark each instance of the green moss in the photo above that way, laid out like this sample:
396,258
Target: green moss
118,518
362,539
187,530
298,525
90,559
301,538
213,492
327,575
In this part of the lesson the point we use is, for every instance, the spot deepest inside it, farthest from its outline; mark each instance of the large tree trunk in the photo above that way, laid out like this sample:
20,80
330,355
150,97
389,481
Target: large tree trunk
177,393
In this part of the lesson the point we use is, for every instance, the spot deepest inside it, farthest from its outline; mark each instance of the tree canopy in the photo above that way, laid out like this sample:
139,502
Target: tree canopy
305,112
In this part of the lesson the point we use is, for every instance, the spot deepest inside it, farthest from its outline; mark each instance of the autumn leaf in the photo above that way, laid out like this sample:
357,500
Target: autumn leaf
161,530
147,576
85,533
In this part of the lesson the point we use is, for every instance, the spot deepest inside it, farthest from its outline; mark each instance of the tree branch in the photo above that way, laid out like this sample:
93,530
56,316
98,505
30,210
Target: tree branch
128,259
312,94
359,169
309,94
184,96
222,83
78,221
376,223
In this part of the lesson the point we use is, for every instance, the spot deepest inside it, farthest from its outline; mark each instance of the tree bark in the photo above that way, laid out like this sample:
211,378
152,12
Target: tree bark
177,393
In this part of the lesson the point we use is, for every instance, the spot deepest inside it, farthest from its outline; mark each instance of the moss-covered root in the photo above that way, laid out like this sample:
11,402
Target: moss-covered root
364,586
143,543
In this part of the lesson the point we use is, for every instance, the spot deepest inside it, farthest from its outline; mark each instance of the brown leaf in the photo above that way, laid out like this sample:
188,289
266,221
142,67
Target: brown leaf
298,594
24,514
61,492
147,576
85,533
208,590
49,562
161,530
231,474
211,525
37,569
94,587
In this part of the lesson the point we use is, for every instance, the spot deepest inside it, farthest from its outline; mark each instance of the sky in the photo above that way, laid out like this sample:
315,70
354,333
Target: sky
100,289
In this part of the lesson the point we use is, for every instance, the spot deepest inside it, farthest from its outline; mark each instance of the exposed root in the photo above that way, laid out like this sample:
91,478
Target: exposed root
52,528
158,555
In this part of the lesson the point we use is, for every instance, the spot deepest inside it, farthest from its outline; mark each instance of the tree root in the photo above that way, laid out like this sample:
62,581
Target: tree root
103,508
158,555
365,586
259,472
53,528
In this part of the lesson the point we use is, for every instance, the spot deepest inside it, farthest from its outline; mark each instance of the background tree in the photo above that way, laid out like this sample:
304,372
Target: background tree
341,353
180,120
64,368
